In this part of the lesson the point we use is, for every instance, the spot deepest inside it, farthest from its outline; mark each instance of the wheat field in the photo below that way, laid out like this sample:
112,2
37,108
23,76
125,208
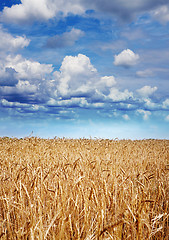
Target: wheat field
84,189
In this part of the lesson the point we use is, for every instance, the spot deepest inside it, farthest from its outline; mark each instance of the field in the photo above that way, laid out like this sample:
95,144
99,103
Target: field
84,189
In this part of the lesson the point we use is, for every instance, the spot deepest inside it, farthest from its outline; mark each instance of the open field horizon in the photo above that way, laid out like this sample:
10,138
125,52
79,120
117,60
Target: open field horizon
84,189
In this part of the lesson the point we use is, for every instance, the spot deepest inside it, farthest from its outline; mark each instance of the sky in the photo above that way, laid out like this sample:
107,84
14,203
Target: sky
84,69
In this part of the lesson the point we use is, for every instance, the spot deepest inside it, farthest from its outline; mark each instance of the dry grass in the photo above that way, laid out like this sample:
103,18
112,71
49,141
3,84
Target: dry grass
84,189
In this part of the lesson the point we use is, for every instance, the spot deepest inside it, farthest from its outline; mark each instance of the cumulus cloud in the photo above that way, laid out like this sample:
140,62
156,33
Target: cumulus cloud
30,10
67,39
76,84
146,91
8,77
109,81
8,104
27,10
24,80
74,102
10,43
79,78
144,113
70,103
22,88
31,81
126,117
126,58
165,103
76,74
150,105
118,96
31,87
28,69
75,65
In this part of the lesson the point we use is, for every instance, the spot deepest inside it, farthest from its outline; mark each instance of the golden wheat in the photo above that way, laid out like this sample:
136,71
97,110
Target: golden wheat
84,189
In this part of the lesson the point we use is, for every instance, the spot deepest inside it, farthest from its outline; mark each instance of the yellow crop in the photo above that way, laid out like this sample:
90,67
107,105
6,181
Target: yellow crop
84,189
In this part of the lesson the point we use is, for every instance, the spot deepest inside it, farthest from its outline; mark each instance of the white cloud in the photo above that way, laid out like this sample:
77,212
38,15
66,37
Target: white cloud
126,117
73,102
126,58
153,71
65,40
161,14
146,91
117,96
144,113
6,103
51,102
30,10
150,104
76,84
22,87
25,87
75,72
24,79
77,80
10,43
133,35
75,65
78,77
109,81
165,104
27,10
126,10
127,106
145,73
8,76
28,69
98,105
167,118
113,45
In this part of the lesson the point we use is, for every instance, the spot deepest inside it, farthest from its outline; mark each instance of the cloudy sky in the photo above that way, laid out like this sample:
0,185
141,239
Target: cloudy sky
80,68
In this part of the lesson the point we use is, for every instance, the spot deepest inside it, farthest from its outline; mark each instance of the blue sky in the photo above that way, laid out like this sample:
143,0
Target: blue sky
84,69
